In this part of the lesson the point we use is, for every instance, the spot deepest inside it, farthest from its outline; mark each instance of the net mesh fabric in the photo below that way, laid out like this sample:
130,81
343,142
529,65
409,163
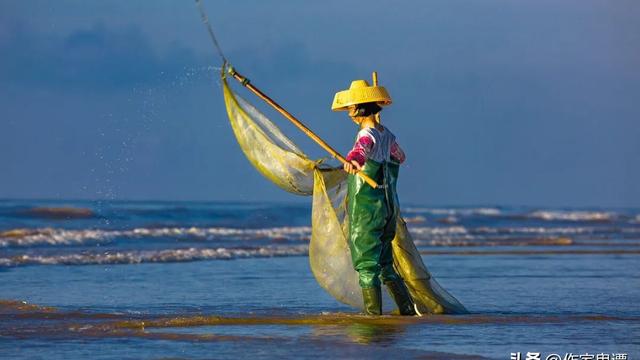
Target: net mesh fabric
277,158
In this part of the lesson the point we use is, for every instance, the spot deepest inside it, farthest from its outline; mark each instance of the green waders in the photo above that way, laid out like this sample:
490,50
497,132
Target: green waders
372,227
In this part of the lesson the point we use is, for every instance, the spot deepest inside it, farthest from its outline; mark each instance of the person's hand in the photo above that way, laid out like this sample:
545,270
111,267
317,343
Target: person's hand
352,168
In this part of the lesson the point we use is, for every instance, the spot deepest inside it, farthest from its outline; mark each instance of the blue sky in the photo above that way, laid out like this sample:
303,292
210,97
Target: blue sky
495,102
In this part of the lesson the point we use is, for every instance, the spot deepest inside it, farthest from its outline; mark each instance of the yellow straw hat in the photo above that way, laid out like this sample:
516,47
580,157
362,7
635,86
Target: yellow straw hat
360,92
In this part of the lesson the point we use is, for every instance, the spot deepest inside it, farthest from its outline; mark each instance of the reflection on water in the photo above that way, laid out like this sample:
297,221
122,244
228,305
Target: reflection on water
362,332
26,320
373,333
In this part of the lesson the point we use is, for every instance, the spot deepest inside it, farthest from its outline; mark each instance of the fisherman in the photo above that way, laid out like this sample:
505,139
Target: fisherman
373,212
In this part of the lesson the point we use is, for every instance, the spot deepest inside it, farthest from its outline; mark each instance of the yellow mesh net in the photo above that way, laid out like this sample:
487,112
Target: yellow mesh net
281,161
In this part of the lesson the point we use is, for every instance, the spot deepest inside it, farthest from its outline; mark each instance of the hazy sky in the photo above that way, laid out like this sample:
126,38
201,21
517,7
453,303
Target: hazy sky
495,102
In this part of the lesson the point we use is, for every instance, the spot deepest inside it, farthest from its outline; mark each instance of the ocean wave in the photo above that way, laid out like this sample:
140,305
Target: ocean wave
50,236
154,256
587,216
482,211
62,237
545,215
471,241
437,231
515,236
547,230
461,231
414,219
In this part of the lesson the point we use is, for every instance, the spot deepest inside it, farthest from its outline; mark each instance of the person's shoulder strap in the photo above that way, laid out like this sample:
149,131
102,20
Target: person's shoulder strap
386,133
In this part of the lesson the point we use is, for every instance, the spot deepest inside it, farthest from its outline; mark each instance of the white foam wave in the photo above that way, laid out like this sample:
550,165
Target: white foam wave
461,231
454,211
435,231
154,256
49,236
572,215
414,219
61,237
486,211
543,230
461,236
439,236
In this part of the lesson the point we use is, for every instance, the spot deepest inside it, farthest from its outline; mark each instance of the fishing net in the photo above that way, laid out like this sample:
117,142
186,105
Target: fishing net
277,158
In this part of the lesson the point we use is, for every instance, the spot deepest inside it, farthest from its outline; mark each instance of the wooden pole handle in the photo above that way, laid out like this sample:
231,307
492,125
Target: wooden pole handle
246,83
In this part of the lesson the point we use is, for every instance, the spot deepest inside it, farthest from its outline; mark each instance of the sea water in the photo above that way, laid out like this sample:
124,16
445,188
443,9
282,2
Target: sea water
225,280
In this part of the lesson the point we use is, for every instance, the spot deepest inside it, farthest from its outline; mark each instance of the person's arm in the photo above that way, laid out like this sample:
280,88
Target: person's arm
361,149
397,154
359,153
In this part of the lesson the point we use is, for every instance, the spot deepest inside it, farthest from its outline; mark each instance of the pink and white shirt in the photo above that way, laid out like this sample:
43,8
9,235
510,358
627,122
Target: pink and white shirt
377,145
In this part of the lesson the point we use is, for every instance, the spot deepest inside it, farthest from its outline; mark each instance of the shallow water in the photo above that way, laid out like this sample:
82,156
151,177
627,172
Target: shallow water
575,295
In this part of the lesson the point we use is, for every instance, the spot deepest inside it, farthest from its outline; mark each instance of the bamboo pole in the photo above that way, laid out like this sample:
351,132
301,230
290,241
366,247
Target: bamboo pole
375,83
245,82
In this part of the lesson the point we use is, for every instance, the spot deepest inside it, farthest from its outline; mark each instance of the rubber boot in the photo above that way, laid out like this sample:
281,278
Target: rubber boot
372,300
398,291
